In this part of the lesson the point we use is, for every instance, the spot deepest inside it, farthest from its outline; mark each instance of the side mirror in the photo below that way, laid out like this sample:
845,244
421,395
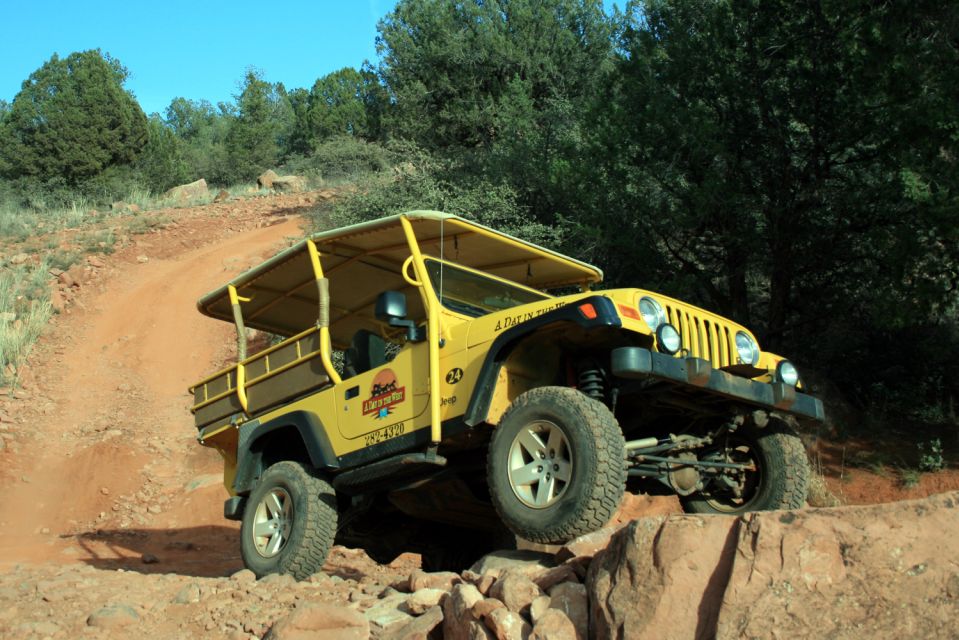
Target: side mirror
391,309
391,305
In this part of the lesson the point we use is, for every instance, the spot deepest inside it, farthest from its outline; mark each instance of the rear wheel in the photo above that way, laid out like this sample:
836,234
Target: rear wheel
556,465
778,477
289,522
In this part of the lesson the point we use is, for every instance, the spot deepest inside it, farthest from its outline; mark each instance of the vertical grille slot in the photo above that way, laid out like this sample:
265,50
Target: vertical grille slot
702,338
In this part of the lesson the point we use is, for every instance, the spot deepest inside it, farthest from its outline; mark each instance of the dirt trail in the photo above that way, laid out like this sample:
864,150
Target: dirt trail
106,468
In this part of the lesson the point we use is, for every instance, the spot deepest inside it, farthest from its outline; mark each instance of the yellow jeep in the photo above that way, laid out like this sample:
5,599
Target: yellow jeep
437,379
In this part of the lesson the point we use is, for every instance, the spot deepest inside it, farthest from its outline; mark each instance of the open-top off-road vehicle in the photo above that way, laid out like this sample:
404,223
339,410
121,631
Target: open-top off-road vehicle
429,389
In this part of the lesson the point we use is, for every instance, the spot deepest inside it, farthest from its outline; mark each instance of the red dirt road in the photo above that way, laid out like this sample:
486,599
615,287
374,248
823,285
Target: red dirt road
103,467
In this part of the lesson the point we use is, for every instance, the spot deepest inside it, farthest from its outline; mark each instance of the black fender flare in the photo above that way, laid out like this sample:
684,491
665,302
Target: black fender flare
249,459
503,345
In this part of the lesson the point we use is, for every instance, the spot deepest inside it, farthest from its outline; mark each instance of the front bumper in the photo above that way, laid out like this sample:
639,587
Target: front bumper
639,363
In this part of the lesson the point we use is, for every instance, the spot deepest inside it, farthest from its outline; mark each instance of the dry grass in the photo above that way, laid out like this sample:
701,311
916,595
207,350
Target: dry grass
25,289
25,310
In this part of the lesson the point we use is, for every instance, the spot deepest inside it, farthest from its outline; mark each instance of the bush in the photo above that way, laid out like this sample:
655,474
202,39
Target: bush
420,181
930,456
342,159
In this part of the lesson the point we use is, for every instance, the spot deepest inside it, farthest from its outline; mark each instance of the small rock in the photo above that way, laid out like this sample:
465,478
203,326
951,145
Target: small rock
142,259
538,607
95,262
321,621
265,180
56,301
556,575
389,611
243,576
586,546
278,580
188,594
570,598
553,625
424,599
222,196
440,580
67,280
528,562
507,625
415,628
149,558
952,586
486,606
516,591
458,611
485,583
289,184
186,192
19,258
113,616
154,509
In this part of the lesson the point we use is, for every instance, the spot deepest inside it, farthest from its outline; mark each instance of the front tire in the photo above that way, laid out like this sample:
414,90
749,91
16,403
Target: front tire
289,522
556,465
780,480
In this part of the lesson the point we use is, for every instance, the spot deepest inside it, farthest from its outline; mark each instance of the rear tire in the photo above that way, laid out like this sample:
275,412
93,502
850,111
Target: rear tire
779,482
556,466
289,522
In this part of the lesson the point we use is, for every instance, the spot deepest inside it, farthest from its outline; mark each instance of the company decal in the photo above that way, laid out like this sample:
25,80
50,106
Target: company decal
454,375
512,321
385,393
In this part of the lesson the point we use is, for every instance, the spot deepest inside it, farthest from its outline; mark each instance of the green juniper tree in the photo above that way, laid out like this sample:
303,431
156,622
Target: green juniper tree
72,119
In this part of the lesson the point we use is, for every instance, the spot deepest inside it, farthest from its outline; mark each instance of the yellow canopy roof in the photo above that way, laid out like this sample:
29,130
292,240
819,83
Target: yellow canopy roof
363,260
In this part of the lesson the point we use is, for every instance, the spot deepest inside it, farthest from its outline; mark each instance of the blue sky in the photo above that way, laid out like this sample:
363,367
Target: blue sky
196,50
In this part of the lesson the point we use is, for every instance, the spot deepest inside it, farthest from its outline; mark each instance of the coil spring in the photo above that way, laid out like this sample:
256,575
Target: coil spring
592,382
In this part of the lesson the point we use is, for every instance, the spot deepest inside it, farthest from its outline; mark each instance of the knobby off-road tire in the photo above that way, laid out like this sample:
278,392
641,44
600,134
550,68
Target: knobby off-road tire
780,482
582,449
289,522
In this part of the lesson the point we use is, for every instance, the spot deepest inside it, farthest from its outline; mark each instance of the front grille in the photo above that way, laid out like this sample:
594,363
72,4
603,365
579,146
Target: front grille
702,338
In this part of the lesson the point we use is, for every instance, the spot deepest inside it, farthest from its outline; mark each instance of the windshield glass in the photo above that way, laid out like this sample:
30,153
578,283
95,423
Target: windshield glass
474,294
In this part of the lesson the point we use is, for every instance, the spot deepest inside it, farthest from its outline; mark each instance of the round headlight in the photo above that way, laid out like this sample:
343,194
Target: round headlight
786,372
652,312
667,339
747,348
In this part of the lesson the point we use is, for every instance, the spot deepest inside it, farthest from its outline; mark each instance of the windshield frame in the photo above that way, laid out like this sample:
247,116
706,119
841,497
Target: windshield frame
468,308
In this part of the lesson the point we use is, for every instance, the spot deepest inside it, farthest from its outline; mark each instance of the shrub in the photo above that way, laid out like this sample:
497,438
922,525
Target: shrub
930,456
342,159
423,182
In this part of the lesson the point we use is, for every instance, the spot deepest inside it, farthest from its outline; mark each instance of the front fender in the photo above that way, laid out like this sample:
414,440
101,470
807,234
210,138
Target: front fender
252,437
605,316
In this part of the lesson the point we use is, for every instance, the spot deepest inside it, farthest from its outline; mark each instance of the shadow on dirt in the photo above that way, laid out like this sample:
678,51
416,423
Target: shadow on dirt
206,551
201,552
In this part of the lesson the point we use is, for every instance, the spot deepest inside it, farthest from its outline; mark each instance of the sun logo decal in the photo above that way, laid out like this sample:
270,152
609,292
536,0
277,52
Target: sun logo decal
385,392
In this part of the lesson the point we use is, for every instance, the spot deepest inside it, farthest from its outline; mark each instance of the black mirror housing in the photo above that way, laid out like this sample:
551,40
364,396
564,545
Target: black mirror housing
390,305
391,309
